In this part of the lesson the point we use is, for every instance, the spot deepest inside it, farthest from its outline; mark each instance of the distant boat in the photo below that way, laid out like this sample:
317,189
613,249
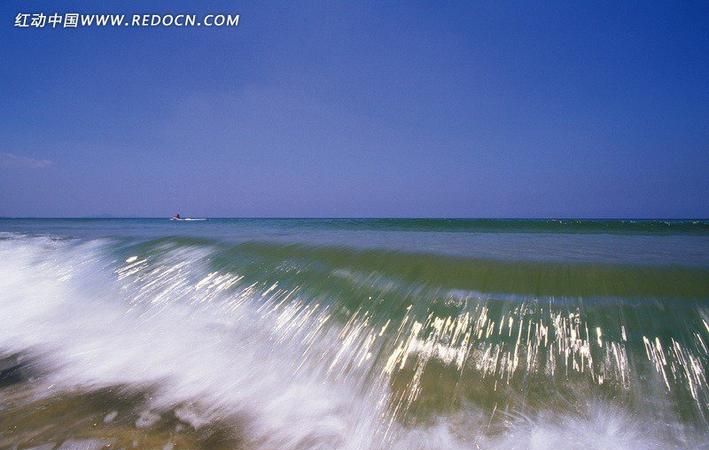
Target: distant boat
185,219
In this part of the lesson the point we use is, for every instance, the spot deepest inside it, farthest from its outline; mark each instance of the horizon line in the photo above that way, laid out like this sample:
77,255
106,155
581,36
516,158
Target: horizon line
103,217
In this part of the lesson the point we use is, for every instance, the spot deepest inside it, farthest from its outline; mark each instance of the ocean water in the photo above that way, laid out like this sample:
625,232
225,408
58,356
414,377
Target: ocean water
354,334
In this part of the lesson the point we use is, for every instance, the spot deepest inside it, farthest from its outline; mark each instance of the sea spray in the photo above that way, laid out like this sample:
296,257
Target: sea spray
297,346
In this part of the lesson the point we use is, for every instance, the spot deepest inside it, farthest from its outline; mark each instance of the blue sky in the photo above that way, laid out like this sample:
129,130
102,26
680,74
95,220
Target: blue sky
329,109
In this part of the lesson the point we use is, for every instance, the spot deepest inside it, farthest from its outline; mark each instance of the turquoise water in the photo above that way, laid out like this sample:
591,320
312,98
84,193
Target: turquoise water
378,333
681,242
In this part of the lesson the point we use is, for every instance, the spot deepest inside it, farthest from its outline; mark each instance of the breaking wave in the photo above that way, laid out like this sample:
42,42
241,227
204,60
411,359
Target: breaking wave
298,346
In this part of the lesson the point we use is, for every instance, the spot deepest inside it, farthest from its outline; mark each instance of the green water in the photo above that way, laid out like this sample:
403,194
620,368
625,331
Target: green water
377,333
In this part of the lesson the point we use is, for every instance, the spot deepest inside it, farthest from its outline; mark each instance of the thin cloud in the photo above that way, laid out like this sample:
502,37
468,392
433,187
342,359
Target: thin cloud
11,161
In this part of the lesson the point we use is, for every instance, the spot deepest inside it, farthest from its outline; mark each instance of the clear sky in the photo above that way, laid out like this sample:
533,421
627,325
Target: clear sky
311,109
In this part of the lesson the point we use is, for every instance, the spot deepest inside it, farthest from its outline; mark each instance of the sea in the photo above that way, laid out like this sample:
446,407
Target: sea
354,334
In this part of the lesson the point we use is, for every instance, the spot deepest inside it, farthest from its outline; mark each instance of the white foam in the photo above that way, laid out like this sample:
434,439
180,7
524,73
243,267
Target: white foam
54,300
